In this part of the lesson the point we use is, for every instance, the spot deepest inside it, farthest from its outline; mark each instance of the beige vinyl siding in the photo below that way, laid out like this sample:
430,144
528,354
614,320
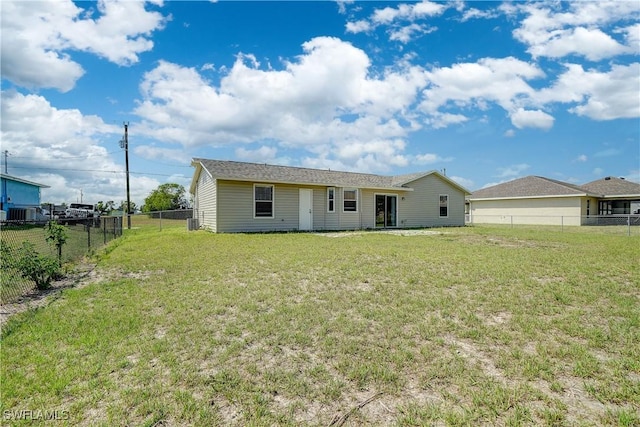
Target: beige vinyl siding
421,207
544,211
323,220
228,206
206,201
367,203
235,208
348,220
235,203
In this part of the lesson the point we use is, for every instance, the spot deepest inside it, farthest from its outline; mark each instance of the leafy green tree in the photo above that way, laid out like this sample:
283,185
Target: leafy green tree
164,198
105,207
123,207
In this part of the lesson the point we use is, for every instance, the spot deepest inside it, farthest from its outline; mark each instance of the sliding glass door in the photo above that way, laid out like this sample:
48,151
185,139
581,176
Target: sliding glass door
386,211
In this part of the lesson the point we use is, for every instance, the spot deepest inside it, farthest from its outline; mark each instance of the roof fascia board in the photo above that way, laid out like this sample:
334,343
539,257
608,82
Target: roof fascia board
620,196
23,181
196,175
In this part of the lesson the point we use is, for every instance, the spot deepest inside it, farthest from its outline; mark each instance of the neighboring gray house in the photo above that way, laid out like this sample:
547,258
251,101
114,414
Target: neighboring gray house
540,200
234,196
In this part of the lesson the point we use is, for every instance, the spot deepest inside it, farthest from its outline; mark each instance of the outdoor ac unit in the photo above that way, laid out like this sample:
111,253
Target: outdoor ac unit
192,224
30,214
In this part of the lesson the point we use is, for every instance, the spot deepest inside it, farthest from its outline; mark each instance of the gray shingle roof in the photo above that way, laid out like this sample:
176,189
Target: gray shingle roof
529,186
224,169
261,172
612,186
538,186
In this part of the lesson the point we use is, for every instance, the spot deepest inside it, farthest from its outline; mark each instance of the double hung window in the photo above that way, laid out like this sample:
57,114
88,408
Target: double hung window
262,201
350,200
444,205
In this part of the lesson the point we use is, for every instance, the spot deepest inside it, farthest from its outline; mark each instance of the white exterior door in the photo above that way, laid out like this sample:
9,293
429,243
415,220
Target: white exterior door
306,209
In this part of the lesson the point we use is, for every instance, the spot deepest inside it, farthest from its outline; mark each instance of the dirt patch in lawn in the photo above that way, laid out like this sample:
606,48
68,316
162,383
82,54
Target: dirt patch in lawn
573,396
416,232
83,274
79,277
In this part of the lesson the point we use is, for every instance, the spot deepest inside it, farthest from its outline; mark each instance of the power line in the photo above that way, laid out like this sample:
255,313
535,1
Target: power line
90,170
90,156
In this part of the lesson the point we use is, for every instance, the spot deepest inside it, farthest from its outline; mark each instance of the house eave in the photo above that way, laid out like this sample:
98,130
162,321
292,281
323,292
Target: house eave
620,196
23,181
196,176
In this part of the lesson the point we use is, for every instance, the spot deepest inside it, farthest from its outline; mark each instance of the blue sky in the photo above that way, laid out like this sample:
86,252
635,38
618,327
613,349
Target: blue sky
486,91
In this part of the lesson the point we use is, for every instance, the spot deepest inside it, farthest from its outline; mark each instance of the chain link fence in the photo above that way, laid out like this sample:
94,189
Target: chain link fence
609,224
84,236
158,220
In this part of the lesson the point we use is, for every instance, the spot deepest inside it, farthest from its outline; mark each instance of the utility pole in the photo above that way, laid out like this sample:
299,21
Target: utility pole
124,143
3,197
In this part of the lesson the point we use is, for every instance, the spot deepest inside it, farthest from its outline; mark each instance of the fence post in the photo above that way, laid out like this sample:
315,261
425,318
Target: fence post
511,221
160,220
561,223
88,225
628,225
104,230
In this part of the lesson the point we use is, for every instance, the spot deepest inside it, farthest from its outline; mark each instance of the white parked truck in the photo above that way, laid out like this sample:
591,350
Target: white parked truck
81,211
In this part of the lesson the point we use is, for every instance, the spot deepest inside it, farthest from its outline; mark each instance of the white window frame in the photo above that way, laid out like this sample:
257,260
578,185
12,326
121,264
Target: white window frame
355,190
440,196
331,197
273,201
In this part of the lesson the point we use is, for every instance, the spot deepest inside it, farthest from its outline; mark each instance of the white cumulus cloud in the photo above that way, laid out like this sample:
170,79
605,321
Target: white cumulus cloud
63,148
522,118
499,80
402,20
326,102
39,38
580,28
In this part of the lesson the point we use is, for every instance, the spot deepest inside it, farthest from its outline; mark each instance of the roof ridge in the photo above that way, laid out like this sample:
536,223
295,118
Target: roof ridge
566,184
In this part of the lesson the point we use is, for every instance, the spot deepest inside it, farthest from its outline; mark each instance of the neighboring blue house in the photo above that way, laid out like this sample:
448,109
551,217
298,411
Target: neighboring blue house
18,195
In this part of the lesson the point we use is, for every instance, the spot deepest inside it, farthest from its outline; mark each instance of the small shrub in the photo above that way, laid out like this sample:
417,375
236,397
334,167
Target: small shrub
56,235
6,258
41,269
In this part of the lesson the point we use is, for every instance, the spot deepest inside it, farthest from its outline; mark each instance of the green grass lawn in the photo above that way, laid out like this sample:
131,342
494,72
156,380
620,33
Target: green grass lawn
459,326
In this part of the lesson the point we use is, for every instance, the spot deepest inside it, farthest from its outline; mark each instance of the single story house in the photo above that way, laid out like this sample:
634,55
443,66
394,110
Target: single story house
234,196
20,198
540,200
